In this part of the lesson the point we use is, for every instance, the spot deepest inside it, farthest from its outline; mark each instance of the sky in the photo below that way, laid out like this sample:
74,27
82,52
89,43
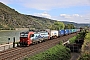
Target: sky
77,11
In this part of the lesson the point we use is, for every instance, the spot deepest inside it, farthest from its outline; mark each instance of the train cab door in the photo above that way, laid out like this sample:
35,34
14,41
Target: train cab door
30,37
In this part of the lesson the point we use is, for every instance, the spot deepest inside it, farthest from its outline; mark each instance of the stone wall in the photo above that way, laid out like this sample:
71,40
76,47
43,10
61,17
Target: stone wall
21,28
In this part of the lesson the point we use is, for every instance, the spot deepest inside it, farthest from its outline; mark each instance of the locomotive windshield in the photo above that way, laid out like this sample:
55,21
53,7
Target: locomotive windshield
23,35
32,35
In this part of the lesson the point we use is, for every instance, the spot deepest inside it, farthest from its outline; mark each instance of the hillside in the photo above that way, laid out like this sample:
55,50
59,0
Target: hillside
76,24
9,18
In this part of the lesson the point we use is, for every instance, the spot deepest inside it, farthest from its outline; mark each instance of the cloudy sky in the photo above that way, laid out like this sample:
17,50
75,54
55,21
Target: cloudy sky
62,10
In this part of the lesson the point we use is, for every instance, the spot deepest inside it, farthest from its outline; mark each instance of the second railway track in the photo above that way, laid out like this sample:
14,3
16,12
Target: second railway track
21,52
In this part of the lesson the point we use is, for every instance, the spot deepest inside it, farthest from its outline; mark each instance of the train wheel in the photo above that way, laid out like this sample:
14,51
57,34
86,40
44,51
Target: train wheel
43,40
33,43
37,42
55,37
40,41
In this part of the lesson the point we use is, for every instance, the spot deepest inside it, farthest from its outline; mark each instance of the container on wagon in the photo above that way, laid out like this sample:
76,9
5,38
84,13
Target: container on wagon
44,35
40,36
61,32
74,30
78,30
52,33
66,31
70,31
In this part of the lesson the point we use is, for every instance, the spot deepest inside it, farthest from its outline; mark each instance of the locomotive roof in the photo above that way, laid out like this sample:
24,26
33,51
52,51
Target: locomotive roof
25,32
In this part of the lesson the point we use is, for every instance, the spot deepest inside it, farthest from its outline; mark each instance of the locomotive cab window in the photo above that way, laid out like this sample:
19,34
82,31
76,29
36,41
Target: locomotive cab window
23,35
32,35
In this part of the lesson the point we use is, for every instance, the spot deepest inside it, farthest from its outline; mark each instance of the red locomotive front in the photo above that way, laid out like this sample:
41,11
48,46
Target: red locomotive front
25,38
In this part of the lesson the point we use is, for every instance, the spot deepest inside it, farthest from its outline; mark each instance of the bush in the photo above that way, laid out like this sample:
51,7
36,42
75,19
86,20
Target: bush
57,52
87,36
85,56
81,36
72,40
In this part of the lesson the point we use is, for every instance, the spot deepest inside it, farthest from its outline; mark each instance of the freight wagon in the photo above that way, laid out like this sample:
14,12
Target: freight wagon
61,33
52,33
66,31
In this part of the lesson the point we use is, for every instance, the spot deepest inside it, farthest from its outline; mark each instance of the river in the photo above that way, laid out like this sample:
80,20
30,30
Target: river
4,35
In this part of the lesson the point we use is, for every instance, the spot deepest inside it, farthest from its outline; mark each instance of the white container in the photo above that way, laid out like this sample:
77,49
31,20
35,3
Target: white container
54,33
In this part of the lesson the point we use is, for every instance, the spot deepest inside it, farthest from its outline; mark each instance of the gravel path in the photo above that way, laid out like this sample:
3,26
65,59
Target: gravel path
74,56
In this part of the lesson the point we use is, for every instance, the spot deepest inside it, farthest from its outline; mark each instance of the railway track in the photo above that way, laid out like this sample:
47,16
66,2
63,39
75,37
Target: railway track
21,52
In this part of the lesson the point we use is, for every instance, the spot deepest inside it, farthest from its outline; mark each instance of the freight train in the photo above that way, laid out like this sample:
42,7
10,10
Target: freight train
34,37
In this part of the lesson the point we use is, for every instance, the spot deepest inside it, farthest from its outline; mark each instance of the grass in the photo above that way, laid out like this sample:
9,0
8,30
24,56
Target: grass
88,36
85,54
72,40
87,39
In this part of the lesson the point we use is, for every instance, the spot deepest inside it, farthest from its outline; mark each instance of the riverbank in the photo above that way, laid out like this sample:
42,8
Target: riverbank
7,30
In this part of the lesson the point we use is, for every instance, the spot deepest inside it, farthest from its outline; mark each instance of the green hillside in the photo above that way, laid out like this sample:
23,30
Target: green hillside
78,25
9,18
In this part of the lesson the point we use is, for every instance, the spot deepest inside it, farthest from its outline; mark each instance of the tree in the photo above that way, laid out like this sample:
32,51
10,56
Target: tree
69,26
58,25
